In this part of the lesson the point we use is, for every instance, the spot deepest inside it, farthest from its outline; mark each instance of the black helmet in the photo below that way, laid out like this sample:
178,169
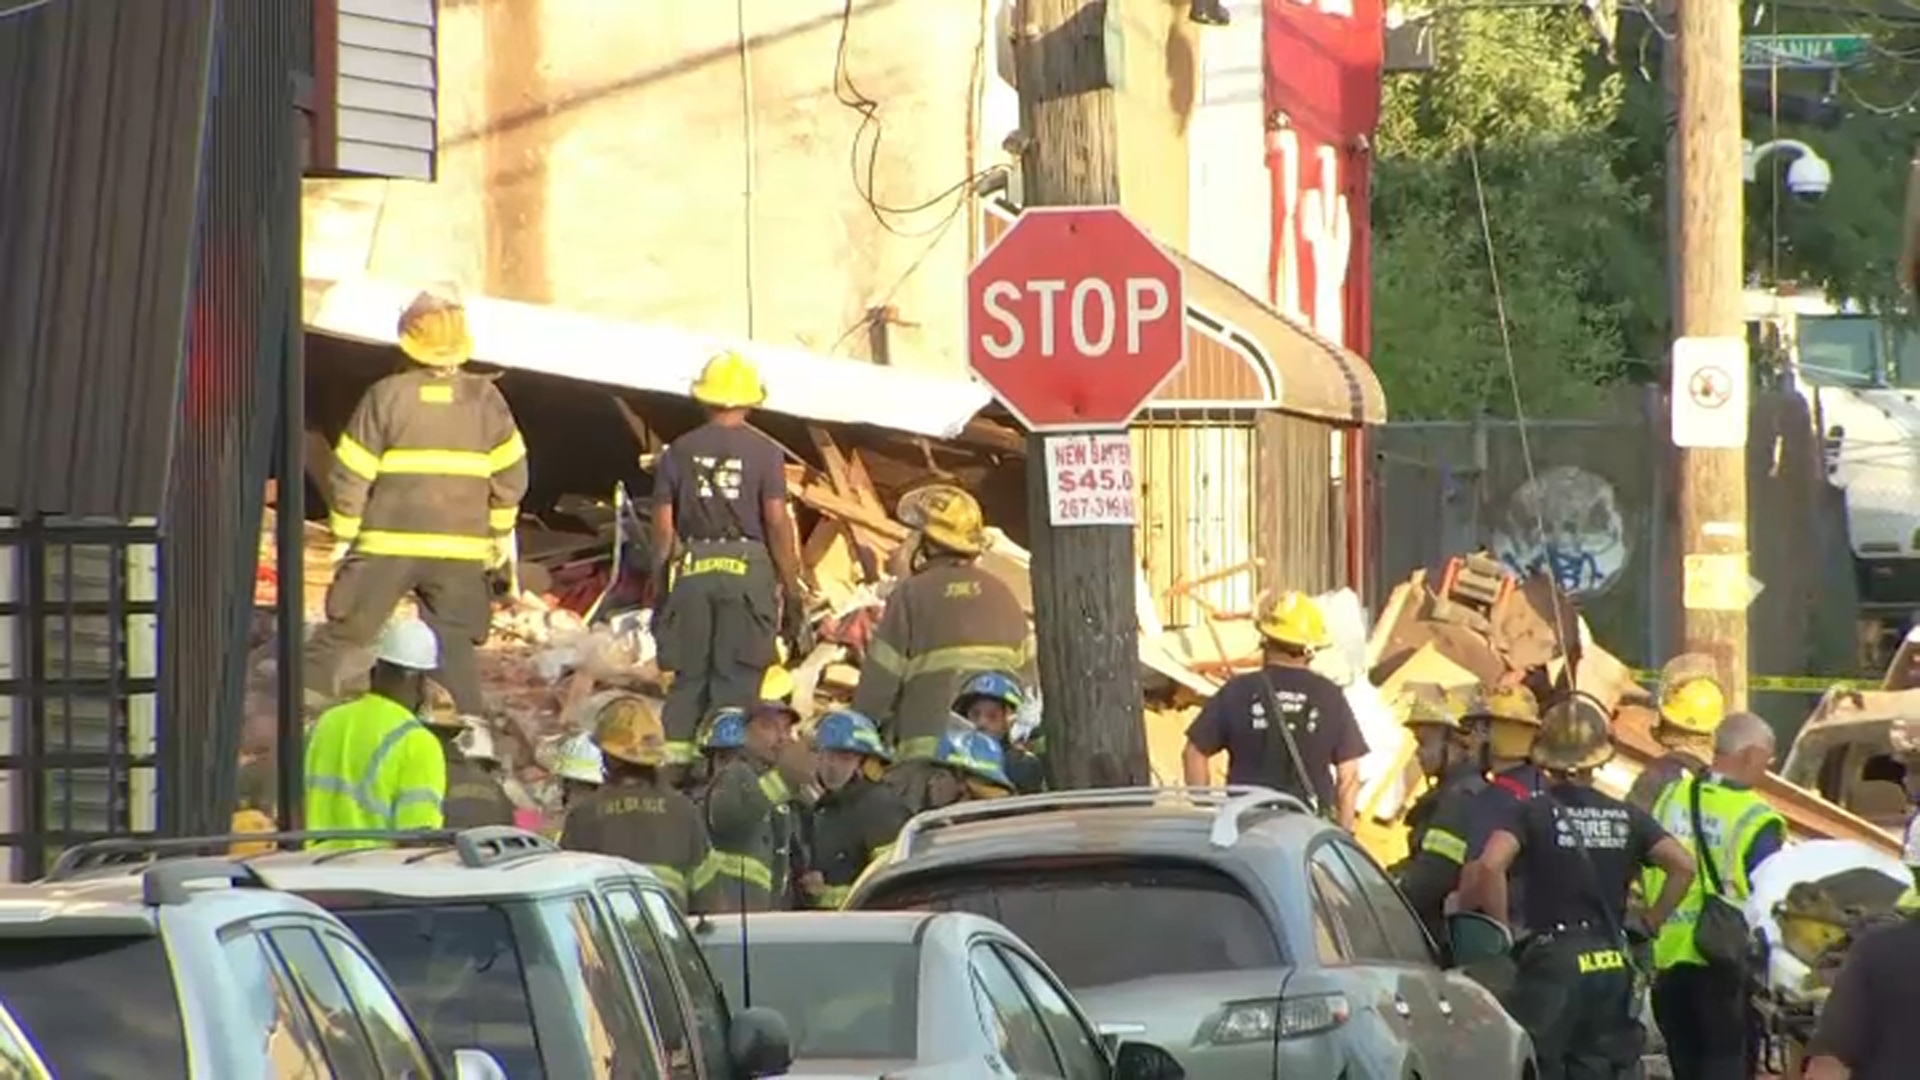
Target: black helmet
1574,736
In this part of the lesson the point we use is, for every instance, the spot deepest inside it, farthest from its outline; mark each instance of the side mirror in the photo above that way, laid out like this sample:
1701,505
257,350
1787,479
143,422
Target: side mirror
477,1065
759,1044
1145,1061
1114,1033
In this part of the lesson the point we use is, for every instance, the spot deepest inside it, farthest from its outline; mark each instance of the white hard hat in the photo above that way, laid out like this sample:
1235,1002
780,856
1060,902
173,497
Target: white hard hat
579,759
408,643
476,743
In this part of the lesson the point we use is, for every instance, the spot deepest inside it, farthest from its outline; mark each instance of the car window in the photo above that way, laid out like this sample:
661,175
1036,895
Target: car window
857,1001
395,1043
615,1045
1404,934
1347,906
709,1007
18,1059
460,971
1011,1020
1076,1046
60,989
1327,946
341,1036
662,993
274,1016
1203,921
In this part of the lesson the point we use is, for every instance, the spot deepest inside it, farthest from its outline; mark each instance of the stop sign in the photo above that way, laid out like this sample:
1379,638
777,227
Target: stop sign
1075,318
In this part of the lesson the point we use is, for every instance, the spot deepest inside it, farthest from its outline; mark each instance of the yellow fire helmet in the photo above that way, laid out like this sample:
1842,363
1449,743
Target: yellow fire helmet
1513,704
1424,704
433,330
1292,618
1574,736
951,518
627,729
729,381
438,709
777,685
1696,706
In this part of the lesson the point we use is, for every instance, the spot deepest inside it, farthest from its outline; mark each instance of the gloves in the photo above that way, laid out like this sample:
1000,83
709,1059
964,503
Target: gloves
795,625
341,548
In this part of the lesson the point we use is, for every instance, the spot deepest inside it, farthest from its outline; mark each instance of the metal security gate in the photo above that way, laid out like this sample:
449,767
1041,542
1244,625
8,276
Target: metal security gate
78,686
1196,518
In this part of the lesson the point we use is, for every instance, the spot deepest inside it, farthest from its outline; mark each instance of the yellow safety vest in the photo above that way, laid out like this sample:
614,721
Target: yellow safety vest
1732,817
371,764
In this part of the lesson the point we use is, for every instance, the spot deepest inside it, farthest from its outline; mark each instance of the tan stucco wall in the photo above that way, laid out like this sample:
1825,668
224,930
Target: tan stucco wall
594,157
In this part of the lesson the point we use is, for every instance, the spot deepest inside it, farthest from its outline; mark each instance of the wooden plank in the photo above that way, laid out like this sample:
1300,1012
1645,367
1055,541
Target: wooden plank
832,459
642,434
823,499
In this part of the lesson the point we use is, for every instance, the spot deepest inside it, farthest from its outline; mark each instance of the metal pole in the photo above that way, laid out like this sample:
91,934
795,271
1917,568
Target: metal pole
290,519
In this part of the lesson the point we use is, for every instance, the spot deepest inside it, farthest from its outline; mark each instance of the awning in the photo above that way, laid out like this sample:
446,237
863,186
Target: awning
660,359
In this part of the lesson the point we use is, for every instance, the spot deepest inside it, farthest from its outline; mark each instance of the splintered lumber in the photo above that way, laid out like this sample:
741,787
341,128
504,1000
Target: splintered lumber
1427,665
822,498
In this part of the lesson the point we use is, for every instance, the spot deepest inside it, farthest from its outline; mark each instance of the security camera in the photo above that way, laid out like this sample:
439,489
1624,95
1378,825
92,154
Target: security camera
1809,177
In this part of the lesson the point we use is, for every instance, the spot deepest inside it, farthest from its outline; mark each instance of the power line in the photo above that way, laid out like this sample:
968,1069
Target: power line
23,9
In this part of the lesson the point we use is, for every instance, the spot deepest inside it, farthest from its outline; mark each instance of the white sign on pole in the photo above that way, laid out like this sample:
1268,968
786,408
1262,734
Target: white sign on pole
1090,479
1709,391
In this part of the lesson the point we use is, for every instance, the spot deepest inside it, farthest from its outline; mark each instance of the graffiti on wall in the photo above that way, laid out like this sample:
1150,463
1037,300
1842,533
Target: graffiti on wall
1567,522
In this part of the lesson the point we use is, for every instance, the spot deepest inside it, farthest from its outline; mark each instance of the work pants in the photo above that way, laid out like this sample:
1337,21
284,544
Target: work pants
1702,1013
454,600
1573,992
716,634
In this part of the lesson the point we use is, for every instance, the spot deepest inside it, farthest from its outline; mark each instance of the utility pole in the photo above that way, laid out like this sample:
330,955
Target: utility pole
1083,576
1710,371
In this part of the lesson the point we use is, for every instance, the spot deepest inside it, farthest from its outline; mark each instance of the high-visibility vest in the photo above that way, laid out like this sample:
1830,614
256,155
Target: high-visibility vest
371,764
1732,817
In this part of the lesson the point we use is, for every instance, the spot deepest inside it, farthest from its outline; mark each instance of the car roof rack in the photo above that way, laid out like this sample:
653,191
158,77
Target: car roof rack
167,883
478,848
1230,804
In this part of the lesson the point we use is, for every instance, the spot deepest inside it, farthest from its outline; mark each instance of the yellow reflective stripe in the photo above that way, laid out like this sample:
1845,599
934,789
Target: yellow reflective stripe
674,880
424,545
922,747
774,787
507,454
833,897
886,657
682,753
715,564
1908,901
502,519
739,867
435,463
964,658
343,527
1448,846
356,459
881,852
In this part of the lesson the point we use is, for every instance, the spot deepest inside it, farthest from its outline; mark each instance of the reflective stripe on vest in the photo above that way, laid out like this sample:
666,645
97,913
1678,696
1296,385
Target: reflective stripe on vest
731,865
1732,818
361,790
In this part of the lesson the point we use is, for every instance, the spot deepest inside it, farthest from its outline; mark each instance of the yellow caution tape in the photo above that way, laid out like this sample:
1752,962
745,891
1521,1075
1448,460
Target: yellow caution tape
1802,684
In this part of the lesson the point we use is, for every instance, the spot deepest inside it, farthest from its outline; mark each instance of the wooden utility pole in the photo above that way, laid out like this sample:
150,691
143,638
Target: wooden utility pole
1083,576
1710,371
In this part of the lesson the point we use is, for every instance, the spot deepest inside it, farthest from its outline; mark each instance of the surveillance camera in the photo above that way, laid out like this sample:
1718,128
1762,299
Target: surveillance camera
1809,177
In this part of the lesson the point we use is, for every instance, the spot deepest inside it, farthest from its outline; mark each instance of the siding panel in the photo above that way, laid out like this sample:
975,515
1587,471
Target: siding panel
380,62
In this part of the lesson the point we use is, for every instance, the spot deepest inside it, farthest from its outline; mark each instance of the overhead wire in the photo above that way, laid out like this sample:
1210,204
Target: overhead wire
23,9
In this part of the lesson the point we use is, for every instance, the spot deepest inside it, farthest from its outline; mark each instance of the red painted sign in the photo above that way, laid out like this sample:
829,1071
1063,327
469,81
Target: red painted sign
1075,318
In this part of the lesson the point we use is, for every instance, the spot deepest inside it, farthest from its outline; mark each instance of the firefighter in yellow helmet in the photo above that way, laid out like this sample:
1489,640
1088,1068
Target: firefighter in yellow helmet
636,814
948,620
1692,704
727,565
1509,718
475,797
426,486
1438,821
1284,726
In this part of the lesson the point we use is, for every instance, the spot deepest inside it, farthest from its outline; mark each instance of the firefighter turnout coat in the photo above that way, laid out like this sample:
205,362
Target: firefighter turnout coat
751,822
647,821
474,797
430,466
371,764
852,827
949,621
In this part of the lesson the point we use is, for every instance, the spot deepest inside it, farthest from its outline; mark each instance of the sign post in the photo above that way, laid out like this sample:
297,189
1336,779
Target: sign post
1075,319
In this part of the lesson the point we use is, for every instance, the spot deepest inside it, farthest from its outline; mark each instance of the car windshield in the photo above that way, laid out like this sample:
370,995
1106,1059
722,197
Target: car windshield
97,1007
1201,920
457,970
848,1001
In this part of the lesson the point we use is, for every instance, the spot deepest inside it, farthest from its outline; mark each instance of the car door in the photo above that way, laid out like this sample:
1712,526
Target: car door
1016,1034
329,1008
672,1015
397,1044
703,994
268,1022
1380,983
1075,1042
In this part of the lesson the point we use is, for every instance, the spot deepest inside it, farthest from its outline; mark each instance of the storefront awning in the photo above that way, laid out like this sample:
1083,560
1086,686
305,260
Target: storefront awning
660,359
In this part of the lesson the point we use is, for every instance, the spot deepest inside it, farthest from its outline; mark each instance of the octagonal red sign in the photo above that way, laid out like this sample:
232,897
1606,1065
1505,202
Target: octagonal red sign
1075,318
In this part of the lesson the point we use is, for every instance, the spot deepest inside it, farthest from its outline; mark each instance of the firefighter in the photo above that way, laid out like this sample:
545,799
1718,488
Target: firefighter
947,618
1701,1006
1577,850
967,766
857,817
1438,822
638,815
1509,717
726,553
1866,1029
426,486
1691,707
723,741
1314,751
990,702
370,763
750,816
474,795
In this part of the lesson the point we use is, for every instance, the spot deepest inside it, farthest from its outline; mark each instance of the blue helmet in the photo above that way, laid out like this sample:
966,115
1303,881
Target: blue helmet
993,686
850,732
726,729
976,754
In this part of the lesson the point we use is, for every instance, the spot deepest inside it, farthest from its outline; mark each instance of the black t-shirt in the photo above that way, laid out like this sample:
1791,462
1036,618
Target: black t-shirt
717,478
1563,886
1868,1022
1235,720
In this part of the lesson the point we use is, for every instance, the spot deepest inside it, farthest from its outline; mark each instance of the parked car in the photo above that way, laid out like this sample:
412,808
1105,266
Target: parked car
917,994
197,968
1230,926
563,965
